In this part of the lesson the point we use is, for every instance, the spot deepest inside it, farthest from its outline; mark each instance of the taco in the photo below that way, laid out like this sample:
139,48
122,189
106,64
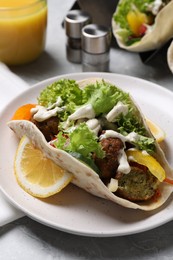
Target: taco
96,130
141,26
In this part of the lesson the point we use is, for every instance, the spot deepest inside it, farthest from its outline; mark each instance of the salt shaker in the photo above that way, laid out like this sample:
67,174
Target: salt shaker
96,41
74,22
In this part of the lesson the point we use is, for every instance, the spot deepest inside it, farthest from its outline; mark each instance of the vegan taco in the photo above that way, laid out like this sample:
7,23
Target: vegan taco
141,26
96,130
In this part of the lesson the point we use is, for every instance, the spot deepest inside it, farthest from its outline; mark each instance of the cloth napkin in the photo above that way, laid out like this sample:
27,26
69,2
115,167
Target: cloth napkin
10,86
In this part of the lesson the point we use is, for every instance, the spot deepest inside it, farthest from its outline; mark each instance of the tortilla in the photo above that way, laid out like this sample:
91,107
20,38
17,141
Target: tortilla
160,33
84,176
170,57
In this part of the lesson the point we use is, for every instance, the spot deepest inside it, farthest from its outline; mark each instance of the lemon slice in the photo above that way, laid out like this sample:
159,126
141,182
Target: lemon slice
157,132
36,174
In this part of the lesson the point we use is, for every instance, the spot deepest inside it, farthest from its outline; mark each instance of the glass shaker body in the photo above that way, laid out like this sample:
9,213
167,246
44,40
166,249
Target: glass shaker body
96,41
74,22
95,62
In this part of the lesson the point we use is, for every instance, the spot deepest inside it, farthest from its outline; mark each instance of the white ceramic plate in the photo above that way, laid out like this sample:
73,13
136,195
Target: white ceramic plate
74,210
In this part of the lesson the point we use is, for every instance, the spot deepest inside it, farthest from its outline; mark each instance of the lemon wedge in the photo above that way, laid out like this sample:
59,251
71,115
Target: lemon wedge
157,132
36,174
147,160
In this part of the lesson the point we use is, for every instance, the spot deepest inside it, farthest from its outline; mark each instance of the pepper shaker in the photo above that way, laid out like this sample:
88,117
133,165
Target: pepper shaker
96,41
74,22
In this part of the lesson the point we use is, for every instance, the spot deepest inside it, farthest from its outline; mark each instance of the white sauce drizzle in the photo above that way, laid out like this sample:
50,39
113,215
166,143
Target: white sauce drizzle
155,6
85,111
132,137
144,152
116,111
41,113
113,185
56,104
94,125
124,166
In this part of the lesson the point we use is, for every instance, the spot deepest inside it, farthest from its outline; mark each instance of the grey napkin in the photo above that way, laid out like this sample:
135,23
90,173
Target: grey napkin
10,86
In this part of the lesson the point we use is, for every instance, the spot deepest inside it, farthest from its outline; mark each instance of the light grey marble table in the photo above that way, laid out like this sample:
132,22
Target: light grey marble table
26,239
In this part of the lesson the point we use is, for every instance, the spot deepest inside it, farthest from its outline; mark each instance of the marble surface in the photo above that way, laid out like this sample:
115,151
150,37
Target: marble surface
27,239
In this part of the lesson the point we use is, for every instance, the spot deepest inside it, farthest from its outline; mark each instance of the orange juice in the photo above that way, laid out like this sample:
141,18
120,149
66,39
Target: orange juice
22,30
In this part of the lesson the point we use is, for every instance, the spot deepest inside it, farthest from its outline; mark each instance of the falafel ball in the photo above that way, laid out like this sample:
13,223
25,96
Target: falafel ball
109,164
138,185
49,127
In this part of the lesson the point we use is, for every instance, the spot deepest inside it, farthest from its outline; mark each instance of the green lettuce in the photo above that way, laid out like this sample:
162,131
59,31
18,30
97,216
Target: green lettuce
146,144
69,92
67,89
132,122
102,96
81,141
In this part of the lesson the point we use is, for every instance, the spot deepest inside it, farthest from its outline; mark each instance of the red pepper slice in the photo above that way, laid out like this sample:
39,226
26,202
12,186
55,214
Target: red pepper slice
167,180
142,29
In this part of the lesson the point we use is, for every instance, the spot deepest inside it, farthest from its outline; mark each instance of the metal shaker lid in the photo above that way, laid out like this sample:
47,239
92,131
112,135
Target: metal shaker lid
75,20
96,38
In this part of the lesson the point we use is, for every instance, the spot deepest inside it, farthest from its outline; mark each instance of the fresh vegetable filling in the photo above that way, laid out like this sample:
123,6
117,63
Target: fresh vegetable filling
136,18
100,126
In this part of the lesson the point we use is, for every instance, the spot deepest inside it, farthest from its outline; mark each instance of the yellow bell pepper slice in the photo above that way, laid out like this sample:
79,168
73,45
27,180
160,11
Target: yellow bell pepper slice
147,160
135,19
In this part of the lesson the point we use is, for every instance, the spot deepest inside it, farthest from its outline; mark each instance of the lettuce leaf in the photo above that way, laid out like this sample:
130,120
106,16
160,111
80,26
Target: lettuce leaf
102,96
146,144
81,140
67,89
88,161
131,122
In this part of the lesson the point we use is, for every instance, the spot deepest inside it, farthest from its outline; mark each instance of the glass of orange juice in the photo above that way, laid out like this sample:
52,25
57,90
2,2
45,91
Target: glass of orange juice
22,30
